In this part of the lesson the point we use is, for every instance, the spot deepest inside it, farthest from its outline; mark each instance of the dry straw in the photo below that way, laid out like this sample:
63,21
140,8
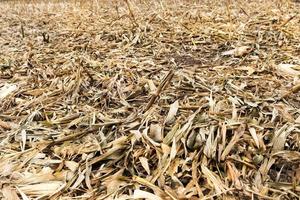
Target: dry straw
149,99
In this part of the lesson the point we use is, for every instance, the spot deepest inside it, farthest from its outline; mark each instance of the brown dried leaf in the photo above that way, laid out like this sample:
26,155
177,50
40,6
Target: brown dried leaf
156,132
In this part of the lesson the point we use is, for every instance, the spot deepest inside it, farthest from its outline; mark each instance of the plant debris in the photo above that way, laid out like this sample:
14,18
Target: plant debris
149,100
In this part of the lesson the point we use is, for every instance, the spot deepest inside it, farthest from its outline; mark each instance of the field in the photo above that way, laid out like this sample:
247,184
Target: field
140,99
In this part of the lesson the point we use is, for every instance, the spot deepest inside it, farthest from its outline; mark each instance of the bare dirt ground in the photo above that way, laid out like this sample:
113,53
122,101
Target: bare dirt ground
149,99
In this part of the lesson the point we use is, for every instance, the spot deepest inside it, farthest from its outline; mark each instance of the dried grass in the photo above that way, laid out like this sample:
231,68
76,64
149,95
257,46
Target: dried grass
149,99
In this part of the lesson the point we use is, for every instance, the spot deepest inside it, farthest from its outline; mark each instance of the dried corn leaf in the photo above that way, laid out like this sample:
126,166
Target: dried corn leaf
140,194
90,92
41,188
9,193
238,51
6,90
172,112
288,69
144,162
213,180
